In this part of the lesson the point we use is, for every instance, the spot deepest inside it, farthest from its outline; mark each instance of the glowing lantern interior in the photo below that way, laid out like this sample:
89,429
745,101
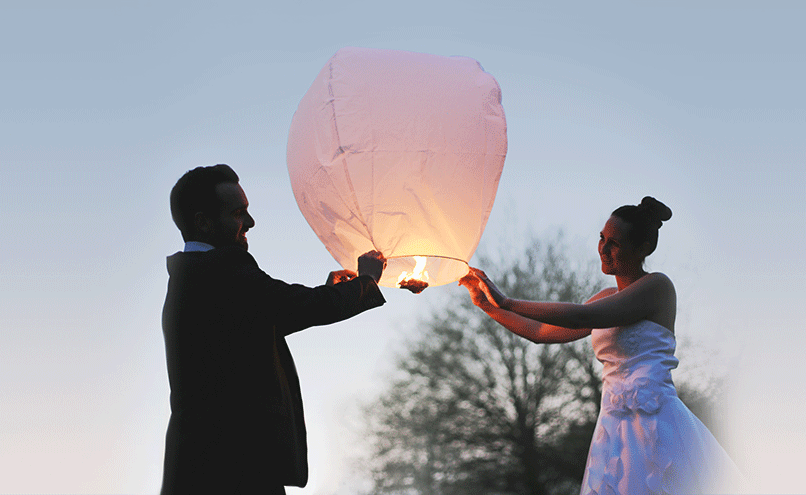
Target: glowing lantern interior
400,152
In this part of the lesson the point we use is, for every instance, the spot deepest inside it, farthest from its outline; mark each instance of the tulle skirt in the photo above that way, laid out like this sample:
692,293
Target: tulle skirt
656,446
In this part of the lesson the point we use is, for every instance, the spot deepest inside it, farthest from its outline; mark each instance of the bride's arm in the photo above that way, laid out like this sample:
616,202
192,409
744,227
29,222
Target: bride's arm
638,301
540,332
530,329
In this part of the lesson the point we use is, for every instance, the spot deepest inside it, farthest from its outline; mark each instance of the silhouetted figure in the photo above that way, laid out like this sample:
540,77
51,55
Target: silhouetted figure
646,441
237,422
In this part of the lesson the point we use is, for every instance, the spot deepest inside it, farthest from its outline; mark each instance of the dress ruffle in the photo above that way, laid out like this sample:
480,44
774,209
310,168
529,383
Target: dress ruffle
638,396
628,441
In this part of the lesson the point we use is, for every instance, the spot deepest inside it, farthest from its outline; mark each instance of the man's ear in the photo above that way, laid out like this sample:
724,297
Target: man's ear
202,223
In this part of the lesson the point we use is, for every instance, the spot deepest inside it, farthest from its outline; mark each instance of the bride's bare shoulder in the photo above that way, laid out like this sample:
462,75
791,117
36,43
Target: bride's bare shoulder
603,293
661,280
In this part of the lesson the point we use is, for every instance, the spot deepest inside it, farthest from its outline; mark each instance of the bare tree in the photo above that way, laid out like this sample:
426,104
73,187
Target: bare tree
473,408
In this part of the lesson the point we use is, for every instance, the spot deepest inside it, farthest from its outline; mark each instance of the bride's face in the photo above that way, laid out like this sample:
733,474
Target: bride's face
618,255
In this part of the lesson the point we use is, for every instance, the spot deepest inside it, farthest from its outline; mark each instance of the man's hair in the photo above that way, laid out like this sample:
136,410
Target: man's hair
195,192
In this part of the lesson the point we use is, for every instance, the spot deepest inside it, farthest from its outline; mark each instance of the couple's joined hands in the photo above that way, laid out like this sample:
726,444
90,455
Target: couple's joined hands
371,263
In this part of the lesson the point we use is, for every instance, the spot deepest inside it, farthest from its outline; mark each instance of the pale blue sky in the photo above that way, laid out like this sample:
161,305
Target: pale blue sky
106,104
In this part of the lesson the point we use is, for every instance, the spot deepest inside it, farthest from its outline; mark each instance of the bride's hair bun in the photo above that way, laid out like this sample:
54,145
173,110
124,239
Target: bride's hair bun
656,211
645,219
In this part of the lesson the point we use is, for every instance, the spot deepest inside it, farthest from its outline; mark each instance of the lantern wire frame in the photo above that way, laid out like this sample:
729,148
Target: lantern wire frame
436,268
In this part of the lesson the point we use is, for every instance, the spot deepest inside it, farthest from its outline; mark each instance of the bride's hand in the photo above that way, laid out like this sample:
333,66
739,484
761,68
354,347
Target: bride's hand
492,292
479,292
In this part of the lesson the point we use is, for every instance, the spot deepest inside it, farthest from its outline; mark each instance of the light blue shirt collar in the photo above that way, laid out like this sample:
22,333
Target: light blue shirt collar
196,246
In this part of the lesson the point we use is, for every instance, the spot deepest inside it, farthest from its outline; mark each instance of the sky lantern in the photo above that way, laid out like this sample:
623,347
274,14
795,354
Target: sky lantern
399,152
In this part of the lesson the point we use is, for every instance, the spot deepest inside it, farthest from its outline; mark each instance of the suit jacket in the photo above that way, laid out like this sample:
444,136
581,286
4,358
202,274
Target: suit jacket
236,405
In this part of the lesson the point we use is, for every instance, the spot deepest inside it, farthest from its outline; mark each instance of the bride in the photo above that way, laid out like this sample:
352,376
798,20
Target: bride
646,440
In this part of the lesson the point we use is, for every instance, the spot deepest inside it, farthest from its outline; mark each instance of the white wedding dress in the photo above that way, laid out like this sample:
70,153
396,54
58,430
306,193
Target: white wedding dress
646,440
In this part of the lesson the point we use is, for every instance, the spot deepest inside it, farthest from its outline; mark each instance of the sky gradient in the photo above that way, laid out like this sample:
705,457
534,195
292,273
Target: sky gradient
106,104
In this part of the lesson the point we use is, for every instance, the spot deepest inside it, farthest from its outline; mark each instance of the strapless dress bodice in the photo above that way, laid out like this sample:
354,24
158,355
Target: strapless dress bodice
638,361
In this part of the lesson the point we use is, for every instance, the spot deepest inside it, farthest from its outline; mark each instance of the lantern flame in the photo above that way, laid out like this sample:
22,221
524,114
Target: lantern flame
419,272
417,280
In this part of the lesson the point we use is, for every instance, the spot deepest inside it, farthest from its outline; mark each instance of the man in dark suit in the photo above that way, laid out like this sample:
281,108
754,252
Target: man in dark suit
237,423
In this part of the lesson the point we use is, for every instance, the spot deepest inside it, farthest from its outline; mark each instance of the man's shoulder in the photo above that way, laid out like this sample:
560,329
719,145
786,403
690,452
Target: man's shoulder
226,257
233,253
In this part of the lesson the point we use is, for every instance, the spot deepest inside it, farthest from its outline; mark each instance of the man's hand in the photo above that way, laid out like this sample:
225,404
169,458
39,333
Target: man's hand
372,264
340,276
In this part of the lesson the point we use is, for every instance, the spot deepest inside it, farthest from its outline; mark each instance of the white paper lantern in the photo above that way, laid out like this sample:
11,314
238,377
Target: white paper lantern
399,152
